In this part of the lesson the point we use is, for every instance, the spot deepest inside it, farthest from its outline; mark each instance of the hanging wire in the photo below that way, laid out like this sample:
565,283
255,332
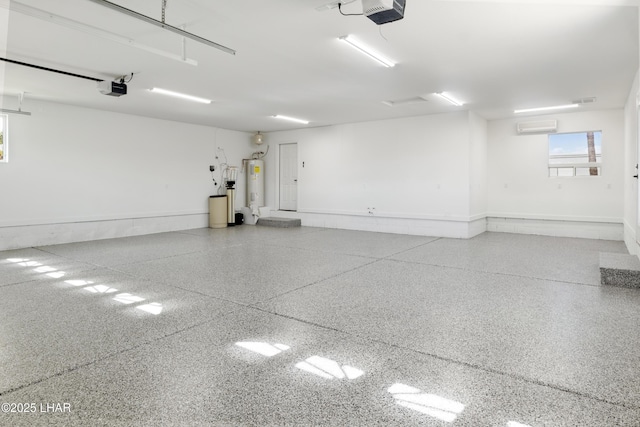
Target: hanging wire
164,6
347,14
126,78
382,35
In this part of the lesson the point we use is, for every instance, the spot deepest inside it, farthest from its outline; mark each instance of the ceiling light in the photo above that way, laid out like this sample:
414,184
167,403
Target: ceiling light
180,95
258,138
291,119
364,49
450,99
555,107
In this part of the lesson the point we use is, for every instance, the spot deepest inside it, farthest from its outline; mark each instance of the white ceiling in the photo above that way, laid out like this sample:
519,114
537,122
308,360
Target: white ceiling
495,55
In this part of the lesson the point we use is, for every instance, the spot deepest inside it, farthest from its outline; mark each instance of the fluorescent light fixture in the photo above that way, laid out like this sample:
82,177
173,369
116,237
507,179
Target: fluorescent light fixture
180,95
450,99
555,107
291,119
367,51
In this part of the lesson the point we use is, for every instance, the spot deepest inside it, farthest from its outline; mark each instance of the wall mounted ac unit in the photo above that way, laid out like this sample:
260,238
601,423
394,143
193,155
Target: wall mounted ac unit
542,126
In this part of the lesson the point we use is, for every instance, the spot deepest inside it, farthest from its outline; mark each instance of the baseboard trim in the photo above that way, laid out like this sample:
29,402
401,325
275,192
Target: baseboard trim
454,227
16,237
558,228
24,236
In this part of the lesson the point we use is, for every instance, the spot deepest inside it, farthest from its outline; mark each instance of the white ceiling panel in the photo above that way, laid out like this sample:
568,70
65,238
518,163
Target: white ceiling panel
493,55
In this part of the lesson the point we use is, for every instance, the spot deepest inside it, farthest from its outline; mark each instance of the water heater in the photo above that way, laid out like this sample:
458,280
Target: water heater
255,183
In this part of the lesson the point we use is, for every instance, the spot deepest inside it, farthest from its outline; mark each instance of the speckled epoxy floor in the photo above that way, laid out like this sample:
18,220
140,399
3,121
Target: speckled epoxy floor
256,326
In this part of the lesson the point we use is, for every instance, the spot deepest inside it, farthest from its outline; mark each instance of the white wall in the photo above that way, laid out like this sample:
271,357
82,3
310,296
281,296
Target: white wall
402,170
519,187
114,174
478,166
4,31
631,160
79,174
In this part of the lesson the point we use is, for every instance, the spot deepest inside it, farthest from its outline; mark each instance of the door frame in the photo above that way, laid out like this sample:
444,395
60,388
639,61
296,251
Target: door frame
278,172
636,181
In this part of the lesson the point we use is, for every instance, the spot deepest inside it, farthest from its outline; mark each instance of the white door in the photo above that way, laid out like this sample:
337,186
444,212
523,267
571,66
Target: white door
635,182
288,177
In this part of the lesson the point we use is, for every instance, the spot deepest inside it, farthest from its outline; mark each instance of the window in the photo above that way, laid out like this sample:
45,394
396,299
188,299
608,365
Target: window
4,140
575,154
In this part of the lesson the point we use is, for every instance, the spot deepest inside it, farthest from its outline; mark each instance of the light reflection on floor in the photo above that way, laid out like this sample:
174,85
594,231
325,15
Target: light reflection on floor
328,368
44,269
404,395
154,308
100,289
446,410
127,298
29,264
263,348
430,404
56,274
78,282
410,397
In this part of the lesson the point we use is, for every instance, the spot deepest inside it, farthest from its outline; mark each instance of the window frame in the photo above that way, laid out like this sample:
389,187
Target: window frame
575,165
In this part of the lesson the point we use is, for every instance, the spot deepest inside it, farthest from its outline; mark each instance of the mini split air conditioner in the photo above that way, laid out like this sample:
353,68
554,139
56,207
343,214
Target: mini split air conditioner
383,11
542,126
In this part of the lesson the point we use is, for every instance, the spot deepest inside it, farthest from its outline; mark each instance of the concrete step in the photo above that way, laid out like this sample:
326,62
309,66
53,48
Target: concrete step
619,270
279,222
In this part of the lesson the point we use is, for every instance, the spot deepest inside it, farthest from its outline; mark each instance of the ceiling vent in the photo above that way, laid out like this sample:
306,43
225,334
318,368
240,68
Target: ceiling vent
589,100
542,126
406,101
